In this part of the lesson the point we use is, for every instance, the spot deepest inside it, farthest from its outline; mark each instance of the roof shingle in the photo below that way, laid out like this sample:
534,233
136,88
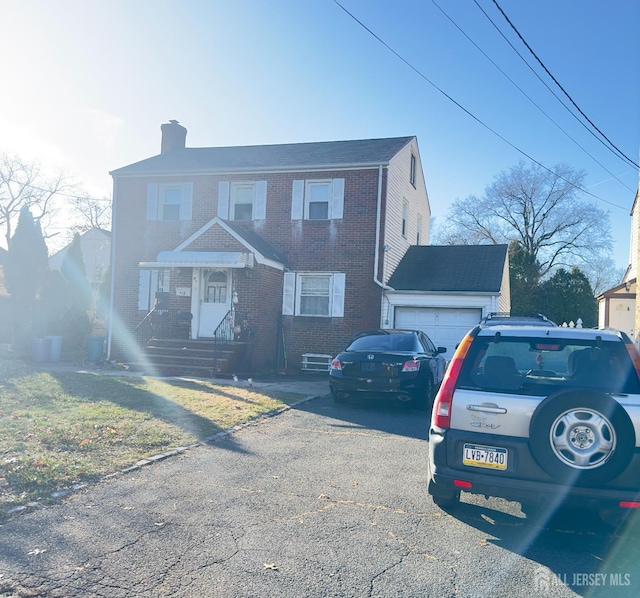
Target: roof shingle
451,268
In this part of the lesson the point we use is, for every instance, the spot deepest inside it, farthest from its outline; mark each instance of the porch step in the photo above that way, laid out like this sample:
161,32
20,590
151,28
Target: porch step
193,357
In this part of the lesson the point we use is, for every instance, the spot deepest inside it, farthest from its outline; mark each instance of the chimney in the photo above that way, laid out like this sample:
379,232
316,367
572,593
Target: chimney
174,136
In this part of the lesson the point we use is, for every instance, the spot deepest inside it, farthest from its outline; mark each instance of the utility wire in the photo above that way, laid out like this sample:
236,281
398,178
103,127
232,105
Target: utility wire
527,96
446,95
617,150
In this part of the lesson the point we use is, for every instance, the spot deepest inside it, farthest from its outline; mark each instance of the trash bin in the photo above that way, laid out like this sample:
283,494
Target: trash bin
40,349
95,348
55,347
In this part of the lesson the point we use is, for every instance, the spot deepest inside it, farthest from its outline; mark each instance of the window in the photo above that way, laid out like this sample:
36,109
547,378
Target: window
242,199
169,203
153,284
412,170
317,199
405,212
319,294
418,229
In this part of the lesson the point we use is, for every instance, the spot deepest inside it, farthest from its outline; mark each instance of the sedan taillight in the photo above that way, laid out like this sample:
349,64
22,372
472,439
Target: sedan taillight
336,365
441,417
413,365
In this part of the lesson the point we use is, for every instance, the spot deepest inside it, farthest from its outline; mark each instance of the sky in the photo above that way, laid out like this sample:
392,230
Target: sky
87,84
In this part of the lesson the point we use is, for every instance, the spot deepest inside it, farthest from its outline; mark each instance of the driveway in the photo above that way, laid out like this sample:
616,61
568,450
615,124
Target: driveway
321,500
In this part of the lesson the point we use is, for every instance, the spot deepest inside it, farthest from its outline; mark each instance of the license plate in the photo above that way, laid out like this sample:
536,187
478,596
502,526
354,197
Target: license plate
485,456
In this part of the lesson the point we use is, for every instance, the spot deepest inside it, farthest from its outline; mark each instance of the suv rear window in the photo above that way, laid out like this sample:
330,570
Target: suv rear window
535,366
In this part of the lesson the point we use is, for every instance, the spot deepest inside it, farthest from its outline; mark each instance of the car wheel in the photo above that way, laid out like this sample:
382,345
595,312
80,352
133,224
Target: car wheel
424,399
581,437
447,503
339,397
443,499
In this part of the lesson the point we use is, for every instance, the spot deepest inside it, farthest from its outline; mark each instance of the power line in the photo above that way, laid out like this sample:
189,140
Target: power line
620,152
527,96
423,76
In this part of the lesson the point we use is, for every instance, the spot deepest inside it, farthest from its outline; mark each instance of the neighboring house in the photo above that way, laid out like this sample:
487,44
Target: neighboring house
96,254
287,247
617,307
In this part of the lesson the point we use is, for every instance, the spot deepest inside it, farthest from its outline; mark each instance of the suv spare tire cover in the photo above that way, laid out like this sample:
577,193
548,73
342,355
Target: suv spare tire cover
581,437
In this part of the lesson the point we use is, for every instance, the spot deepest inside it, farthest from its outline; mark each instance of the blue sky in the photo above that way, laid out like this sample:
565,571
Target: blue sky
87,84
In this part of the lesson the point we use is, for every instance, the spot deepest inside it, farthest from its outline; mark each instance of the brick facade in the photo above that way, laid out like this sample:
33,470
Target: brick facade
343,245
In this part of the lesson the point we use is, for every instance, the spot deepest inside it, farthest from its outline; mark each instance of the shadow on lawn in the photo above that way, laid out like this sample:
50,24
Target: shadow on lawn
95,389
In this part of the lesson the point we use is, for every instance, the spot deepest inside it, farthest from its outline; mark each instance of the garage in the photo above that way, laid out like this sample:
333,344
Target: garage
445,326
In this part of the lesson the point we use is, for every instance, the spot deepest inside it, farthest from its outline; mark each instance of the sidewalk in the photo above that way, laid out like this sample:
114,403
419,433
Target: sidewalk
311,384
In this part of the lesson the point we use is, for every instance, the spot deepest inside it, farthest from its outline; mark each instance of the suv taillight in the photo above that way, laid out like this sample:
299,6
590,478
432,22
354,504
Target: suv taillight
635,357
444,399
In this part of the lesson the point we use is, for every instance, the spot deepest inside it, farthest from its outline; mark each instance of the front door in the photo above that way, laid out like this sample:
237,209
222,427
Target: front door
215,301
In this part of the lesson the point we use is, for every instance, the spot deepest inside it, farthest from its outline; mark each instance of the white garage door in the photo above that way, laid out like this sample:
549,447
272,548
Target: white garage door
444,326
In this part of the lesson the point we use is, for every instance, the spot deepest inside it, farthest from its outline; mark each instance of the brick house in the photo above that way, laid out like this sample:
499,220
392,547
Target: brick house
283,250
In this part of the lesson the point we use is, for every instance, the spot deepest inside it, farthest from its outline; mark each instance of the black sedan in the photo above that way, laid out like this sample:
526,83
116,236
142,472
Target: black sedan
401,364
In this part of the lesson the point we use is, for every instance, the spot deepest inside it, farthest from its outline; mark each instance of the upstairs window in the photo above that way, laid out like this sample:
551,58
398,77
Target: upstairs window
317,199
171,202
412,170
418,229
243,200
405,213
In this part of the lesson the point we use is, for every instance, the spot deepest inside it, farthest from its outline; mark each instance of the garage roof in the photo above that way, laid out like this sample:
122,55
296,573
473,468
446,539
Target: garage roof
452,268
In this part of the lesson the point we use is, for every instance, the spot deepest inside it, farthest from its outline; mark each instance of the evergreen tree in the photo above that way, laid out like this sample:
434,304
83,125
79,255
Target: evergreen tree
75,273
524,279
568,296
25,269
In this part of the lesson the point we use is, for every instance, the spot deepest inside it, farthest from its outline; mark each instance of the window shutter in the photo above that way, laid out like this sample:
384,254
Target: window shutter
143,290
186,205
260,209
152,201
337,306
297,200
337,199
223,200
288,293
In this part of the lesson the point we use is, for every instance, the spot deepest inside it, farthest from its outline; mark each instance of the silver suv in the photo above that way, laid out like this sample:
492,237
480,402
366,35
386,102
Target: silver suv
540,415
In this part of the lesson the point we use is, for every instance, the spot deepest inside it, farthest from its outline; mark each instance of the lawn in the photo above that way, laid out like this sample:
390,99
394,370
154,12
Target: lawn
58,429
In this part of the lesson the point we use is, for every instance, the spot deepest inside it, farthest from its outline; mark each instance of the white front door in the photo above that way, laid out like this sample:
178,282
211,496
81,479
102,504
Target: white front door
215,301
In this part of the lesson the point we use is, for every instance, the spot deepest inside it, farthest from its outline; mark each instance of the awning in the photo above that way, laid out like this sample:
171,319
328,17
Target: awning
201,259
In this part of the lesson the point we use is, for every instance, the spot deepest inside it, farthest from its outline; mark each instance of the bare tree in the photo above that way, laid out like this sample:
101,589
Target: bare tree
92,213
541,209
22,184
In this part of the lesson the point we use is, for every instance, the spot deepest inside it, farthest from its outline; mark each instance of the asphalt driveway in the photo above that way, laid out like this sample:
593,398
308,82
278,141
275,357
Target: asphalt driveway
321,500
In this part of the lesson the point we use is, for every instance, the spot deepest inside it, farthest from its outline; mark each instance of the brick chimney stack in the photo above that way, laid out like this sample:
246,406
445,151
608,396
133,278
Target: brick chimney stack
174,136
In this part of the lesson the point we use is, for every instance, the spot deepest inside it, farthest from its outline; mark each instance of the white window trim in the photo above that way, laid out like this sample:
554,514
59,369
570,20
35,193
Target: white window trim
155,201
226,199
293,288
300,199
405,219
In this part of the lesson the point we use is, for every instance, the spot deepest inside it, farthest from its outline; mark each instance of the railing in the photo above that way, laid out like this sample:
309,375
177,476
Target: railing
224,331
163,323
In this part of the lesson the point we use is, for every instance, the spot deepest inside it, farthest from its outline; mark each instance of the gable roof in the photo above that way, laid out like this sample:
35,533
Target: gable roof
251,158
451,268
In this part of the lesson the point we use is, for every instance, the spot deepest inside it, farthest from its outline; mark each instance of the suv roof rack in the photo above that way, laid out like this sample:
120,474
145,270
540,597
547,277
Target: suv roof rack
506,318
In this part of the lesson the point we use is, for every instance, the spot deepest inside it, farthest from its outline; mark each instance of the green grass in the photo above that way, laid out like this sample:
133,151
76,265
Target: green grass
58,429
